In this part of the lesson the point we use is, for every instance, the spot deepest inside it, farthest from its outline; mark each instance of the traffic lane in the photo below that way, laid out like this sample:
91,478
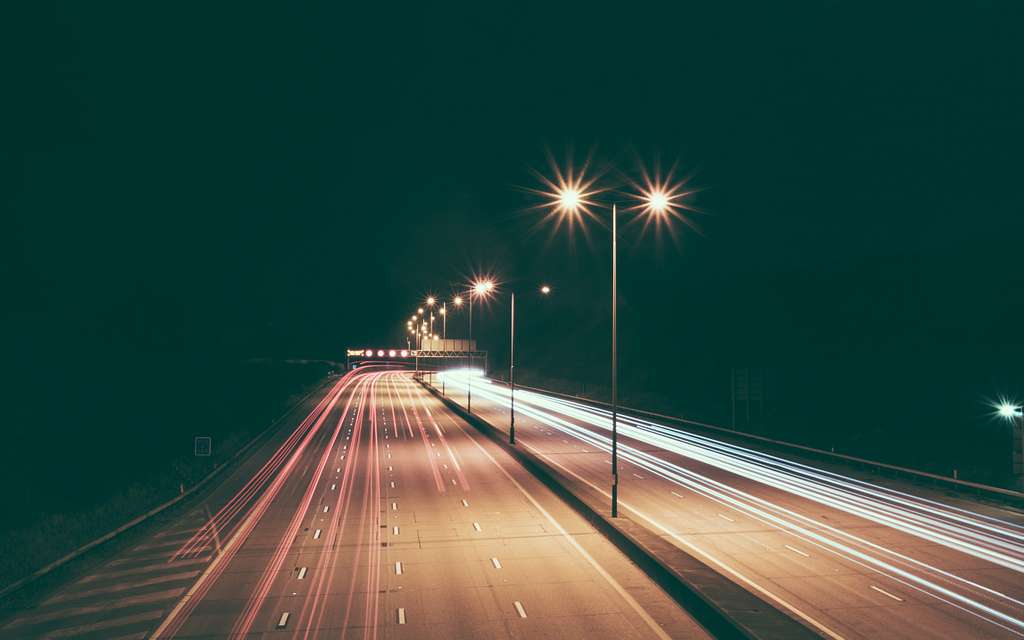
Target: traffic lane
234,594
871,537
130,592
495,536
650,494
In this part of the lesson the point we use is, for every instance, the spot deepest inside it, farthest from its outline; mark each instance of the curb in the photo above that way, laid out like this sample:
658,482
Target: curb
107,537
721,606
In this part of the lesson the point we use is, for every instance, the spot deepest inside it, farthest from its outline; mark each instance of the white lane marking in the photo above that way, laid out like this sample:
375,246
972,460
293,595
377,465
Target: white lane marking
283,622
496,563
398,568
333,485
886,593
619,589
387,446
79,630
401,615
121,586
394,506
339,470
325,508
725,517
464,503
392,484
453,481
638,476
445,466
520,609
476,525
395,530
389,456
689,545
795,550
389,468
675,494
302,573
316,534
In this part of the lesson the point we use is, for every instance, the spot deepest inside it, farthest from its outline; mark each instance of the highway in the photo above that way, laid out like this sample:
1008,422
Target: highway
376,513
850,558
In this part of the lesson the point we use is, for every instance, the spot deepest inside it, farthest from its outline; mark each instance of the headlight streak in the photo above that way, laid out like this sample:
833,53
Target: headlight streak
940,524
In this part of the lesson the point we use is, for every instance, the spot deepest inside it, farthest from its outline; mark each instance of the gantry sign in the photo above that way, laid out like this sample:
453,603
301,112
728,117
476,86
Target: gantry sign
456,351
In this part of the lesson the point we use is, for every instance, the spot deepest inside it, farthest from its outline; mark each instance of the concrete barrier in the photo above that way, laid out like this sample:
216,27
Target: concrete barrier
723,607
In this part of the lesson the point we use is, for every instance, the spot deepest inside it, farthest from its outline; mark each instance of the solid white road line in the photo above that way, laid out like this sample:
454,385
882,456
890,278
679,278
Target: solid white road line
795,550
325,508
619,589
401,615
465,503
316,534
520,609
394,531
496,563
725,517
476,525
886,593
675,494
302,573
398,568
283,622
394,506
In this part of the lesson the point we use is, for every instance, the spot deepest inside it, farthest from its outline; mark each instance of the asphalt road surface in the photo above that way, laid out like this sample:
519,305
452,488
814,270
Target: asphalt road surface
378,515
852,557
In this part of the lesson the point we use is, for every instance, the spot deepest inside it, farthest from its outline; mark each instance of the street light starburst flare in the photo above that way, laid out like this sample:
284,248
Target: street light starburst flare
662,200
567,195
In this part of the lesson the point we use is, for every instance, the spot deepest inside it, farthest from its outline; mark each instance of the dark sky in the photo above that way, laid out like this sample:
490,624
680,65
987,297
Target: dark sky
194,182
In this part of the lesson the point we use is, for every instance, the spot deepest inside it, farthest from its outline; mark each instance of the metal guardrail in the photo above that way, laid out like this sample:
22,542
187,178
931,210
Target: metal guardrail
107,537
975,486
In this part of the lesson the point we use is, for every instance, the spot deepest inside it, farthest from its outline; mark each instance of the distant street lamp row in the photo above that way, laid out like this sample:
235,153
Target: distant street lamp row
572,197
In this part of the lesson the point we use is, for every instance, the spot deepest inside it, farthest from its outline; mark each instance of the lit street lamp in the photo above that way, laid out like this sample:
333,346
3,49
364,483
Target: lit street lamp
480,289
545,289
569,198
1014,414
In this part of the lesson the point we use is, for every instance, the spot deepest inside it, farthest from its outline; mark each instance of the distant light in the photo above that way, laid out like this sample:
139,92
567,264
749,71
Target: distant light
369,353
443,311
380,353
420,311
569,200
483,287
458,301
405,353
657,201
430,301
412,319
391,353
1009,411
545,289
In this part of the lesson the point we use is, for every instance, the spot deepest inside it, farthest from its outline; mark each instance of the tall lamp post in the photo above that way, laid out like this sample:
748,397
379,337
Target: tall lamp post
1015,415
569,198
480,289
545,289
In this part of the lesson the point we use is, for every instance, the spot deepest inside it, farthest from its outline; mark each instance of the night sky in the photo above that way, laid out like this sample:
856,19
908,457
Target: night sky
191,185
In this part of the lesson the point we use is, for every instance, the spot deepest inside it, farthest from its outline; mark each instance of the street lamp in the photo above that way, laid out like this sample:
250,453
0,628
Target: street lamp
480,289
569,197
1014,414
545,289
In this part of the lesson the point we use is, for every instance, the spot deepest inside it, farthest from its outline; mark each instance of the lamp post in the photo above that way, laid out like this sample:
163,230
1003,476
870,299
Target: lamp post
569,197
545,289
480,289
1014,414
